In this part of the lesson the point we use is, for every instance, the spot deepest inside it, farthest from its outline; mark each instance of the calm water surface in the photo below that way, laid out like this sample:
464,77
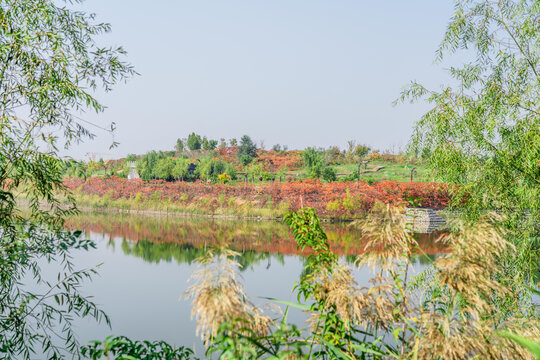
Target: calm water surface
145,264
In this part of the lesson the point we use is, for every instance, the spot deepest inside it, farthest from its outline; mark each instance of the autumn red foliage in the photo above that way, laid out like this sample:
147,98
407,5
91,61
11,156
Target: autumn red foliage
276,160
336,199
343,240
270,159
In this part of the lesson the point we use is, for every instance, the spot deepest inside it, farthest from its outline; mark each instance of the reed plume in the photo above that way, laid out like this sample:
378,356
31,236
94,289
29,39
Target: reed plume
218,297
466,319
387,234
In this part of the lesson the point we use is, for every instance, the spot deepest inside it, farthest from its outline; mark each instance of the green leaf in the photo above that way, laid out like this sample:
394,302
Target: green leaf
531,345
288,303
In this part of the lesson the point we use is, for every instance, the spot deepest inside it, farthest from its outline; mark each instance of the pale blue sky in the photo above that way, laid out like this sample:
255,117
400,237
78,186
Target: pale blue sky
295,72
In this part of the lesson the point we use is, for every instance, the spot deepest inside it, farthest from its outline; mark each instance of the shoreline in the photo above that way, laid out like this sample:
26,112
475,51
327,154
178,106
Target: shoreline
159,212
334,202
426,220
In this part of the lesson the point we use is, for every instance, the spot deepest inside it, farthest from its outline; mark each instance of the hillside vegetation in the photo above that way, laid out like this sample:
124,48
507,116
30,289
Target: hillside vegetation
247,163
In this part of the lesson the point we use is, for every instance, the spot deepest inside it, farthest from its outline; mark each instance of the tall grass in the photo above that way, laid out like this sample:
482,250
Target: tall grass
202,206
456,309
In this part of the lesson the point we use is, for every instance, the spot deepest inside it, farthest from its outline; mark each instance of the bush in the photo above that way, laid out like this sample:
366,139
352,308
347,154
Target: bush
123,348
329,174
224,178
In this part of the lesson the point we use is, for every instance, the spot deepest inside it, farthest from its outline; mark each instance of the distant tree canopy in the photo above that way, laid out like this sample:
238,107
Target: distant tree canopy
146,166
194,142
75,168
175,165
361,151
209,145
278,160
210,168
313,162
204,144
316,165
247,150
276,147
279,147
180,145
160,165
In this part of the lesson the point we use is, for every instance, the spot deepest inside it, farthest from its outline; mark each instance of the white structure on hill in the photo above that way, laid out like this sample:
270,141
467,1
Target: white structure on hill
133,174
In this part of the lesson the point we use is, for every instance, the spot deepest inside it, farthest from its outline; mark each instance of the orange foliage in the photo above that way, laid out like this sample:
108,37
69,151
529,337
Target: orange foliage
336,199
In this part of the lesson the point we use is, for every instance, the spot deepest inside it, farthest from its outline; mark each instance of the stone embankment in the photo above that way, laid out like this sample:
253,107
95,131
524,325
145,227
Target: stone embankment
424,220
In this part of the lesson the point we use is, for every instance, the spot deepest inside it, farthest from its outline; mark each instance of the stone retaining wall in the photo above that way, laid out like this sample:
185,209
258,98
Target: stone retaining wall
424,220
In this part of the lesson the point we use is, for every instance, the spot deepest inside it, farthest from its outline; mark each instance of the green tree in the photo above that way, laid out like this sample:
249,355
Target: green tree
75,168
313,162
361,151
247,150
101,164
180,169
209,145
49,66
146,165
231,171
219,167
212,144
92,167
205,168
164,168
194,142
484,134
126,169
131,157
333,155
233,142
180,146
276,148
204,144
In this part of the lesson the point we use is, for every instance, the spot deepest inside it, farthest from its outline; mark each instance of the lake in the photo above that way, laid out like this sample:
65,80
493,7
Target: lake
145,263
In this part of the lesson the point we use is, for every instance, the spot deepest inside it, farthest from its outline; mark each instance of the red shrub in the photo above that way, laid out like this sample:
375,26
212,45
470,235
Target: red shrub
337,199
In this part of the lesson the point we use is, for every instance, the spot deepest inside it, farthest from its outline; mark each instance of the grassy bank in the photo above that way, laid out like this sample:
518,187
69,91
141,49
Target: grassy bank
221,206
337,200
391,170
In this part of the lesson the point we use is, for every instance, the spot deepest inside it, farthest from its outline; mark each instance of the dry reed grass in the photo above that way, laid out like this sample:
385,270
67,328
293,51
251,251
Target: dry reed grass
354,304
219,297
389,240
467,319
458,321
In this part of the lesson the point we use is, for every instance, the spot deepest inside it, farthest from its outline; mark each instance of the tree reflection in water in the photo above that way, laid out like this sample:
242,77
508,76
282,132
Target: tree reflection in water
184,239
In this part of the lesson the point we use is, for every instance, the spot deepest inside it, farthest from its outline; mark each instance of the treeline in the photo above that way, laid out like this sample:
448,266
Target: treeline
160,165
197,157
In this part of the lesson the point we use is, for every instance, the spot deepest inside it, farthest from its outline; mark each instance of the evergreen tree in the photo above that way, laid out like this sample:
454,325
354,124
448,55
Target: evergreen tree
194,142
247,150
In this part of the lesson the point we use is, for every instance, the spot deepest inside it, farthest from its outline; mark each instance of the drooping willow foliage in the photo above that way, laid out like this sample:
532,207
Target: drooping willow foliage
49,66
484,132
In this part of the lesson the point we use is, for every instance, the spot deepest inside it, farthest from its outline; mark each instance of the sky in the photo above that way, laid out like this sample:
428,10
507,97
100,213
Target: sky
295,72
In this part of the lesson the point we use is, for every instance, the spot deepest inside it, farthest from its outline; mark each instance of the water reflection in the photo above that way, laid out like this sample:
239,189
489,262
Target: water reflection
156,239
147,261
